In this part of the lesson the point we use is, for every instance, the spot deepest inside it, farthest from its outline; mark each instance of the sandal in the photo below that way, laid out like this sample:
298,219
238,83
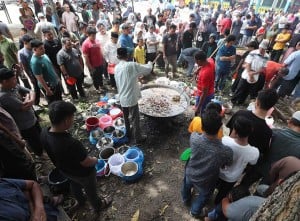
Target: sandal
105,202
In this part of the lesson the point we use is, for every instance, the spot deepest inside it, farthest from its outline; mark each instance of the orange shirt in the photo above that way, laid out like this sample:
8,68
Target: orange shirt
271,69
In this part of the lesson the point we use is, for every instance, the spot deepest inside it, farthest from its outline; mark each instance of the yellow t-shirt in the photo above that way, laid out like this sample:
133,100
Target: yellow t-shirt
281,37
139,55
196,126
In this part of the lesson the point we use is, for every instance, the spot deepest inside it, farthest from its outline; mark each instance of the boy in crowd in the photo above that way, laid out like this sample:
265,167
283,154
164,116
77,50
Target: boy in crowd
261,134
70,156
243,153
202,170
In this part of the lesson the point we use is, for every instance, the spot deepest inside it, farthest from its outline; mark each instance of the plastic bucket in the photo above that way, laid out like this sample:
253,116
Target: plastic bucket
101,168
106,153
104,142
134,154
105,121
59,184
91,123
115,163
131,171
115,112
95,135
119,123
108,131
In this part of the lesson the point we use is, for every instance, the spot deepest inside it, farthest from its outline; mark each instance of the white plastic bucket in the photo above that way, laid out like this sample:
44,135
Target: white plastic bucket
115,163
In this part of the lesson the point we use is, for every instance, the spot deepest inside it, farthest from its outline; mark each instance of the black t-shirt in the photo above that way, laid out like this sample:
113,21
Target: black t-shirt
51,49
187,39
65,152
261,134
170,41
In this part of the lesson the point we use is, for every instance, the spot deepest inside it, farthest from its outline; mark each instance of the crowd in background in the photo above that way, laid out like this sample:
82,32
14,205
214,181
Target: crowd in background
59,44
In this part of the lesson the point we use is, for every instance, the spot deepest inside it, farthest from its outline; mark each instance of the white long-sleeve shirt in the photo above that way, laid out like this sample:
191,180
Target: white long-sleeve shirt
110,53
126,74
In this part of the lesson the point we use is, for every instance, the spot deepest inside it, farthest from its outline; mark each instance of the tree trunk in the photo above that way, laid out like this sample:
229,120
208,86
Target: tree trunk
283,204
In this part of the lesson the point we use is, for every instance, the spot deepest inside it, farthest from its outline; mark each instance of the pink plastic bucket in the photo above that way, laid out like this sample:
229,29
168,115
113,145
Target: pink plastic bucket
105,121
91,123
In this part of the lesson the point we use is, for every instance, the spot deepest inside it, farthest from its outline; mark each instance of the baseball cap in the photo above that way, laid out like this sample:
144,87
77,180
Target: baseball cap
264,44
296,115
26,38
6,73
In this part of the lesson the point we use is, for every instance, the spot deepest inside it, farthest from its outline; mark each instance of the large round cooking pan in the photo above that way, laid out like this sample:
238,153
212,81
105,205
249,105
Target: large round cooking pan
158,101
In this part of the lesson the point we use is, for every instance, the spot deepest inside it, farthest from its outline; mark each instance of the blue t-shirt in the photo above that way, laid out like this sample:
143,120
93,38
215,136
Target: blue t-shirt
126,42
13,203
43,66
249,32
225,51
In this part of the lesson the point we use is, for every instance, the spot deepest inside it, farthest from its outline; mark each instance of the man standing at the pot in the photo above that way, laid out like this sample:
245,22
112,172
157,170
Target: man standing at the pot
126,74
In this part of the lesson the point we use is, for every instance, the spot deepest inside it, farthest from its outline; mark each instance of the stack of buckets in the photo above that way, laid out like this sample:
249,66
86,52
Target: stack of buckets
128,166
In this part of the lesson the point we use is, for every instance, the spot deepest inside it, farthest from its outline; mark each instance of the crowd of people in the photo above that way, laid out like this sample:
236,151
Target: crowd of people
59,45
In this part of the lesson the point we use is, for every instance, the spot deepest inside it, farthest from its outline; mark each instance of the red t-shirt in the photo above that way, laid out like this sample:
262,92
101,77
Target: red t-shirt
271,69
93,50
225,24
206,77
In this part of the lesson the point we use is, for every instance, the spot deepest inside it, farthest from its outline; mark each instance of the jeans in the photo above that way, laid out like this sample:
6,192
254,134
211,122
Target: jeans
287,86
200,200
97,77
221,79
89,185
56,94
132,117
205,102
191,63
216,213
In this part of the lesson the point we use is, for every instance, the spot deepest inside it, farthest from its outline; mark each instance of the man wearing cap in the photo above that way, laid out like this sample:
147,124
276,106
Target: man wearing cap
126,41
24,57
43,70
280,42
71,65
210,46
92,53
43,24
126,75
18,101
252,79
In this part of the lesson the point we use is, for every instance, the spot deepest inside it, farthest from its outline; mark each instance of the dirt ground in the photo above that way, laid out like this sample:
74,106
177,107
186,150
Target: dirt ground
156,196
